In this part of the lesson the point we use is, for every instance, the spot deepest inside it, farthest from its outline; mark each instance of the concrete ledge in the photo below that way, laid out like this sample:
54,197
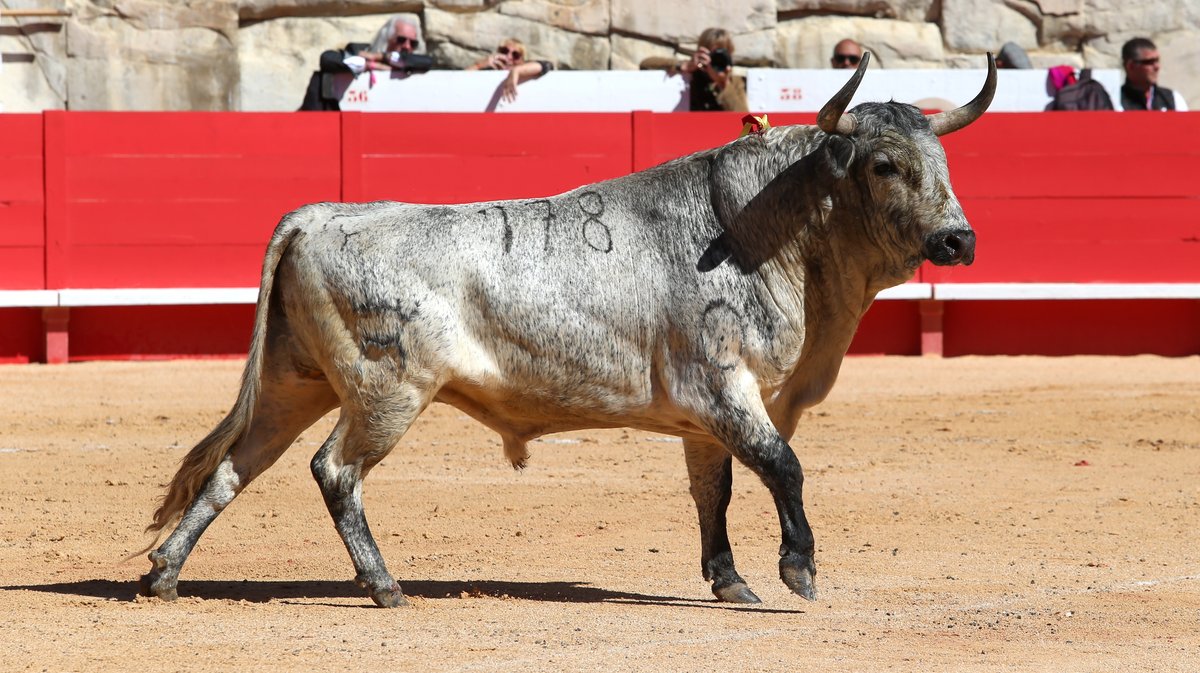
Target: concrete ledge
1067,291
184,296
158,296
28,298
908,291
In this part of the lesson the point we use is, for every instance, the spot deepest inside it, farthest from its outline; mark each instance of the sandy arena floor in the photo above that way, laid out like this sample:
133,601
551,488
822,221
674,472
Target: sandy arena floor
972,514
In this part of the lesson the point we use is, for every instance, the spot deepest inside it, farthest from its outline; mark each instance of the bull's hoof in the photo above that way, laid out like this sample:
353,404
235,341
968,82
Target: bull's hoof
737,592
386,593
390,598
799,572
161,581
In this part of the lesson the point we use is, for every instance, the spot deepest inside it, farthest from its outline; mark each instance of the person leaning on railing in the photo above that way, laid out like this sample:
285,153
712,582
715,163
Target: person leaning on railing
511,56
395,47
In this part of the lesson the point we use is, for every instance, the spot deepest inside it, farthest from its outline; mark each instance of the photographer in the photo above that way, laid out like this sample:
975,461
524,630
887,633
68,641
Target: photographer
709,73
394,48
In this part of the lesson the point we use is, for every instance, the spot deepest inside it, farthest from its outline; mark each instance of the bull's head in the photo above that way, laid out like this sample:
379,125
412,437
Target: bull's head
896,170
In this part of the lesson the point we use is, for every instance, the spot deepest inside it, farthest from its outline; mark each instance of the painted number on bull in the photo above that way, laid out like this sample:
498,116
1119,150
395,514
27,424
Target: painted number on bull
508,235
595,233
547,223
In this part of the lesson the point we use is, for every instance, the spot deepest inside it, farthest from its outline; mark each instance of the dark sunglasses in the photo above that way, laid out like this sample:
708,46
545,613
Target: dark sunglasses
846,58
399,40
505,51
1146,61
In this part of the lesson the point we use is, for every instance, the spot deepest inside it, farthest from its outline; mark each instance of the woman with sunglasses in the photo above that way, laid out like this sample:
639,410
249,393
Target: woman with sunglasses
510,56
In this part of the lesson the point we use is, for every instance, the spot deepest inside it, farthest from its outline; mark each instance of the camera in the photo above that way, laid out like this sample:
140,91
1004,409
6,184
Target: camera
720,59
409,62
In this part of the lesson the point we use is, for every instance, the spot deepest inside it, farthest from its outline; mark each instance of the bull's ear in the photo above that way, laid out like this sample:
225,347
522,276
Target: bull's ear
839,154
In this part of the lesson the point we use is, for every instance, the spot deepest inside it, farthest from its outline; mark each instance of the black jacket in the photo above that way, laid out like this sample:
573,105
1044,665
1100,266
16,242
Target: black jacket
1161,98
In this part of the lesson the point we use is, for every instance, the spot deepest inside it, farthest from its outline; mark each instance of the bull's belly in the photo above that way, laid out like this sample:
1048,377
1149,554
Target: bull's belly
531,412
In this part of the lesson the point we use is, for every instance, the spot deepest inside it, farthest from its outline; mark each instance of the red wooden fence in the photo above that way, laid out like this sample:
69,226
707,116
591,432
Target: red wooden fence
128,200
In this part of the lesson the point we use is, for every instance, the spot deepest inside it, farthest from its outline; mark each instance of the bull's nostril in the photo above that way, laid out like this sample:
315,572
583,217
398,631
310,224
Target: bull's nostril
955,243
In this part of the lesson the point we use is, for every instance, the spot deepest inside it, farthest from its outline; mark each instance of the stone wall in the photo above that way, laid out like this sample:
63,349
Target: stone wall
258,54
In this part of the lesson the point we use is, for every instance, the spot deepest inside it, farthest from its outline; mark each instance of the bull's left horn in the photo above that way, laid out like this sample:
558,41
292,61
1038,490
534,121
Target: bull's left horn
953,120
830,119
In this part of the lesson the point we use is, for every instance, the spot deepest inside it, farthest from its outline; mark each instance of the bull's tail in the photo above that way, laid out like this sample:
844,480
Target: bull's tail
204,458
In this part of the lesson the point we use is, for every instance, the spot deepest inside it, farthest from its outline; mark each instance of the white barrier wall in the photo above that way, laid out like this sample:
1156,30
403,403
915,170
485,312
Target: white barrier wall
768,89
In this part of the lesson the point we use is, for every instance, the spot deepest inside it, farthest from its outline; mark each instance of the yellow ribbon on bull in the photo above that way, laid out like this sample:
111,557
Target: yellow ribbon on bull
753,124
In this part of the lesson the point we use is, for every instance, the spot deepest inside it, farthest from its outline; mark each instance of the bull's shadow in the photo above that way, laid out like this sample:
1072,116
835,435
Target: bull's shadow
263,591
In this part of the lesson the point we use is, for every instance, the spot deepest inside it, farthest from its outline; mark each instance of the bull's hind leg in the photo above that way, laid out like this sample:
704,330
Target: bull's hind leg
710,470
363,436
284,409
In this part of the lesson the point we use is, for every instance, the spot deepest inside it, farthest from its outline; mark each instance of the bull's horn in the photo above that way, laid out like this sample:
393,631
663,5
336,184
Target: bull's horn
953,120
830,119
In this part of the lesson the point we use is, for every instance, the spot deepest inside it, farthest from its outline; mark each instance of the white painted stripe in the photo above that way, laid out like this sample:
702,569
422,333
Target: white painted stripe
28,298
1021,291
172,296
908,291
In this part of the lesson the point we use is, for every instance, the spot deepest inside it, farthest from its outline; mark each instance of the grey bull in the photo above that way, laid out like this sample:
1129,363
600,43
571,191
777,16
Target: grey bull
712,298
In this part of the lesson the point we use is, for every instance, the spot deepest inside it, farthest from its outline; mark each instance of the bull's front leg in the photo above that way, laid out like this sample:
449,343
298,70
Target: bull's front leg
710,471
742,424
776,464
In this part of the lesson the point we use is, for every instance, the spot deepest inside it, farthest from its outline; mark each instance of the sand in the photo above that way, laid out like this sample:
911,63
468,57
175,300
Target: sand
971,514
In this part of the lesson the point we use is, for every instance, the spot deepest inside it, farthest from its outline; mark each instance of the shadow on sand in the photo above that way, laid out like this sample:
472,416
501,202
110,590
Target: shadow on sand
258,591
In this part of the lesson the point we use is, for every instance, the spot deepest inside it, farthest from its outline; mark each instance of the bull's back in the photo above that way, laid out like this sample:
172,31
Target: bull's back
561,299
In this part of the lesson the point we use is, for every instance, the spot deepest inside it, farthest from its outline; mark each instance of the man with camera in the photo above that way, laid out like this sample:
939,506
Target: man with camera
394,48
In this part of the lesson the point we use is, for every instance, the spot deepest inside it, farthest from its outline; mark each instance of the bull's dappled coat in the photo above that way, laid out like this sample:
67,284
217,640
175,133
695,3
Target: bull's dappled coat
712,297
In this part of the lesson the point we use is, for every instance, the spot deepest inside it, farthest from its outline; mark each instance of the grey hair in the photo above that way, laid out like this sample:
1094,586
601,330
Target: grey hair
380,43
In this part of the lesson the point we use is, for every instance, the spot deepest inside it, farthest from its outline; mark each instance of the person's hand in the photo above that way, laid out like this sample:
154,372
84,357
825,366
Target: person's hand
701,60
375,61
498,61
508,90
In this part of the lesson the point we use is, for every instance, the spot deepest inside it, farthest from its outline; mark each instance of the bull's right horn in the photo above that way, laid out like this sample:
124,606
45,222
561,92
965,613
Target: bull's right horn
953,120
830,119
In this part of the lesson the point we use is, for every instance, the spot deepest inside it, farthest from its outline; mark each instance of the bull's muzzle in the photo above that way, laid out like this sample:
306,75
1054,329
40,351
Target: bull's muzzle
950,246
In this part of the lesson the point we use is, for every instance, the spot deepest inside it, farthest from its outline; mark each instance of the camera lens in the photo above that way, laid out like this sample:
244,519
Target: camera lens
719,59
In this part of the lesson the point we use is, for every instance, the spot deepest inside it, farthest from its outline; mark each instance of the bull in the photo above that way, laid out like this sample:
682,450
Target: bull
712,298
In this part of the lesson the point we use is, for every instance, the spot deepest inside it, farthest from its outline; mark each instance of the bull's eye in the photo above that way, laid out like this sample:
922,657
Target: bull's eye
884,168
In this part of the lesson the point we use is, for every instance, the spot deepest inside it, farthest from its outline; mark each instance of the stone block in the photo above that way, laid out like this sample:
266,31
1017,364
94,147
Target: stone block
908,10
250,10
457,40
580,16
33,76
682,22
184,61
629,52
978,26
809,42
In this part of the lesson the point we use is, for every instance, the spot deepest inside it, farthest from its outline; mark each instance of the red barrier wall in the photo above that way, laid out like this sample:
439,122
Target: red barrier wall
22,203
96,200
461,158
178,199
1084,197
21,336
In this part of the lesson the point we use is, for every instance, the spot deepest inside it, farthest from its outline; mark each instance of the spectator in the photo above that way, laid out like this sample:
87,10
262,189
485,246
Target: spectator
395,47
846,55
711,83
1141,90
511,56
1013,57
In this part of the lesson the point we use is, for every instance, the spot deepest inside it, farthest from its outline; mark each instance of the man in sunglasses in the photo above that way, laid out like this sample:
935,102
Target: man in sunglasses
1141,90
846,55
395,47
